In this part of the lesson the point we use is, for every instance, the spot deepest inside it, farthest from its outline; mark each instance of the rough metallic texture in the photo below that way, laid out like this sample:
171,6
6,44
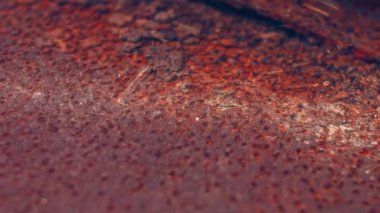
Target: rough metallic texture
179,106
344,23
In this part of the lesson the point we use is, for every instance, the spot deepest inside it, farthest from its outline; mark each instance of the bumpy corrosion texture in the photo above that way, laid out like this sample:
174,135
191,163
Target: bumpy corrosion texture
348,24
180,106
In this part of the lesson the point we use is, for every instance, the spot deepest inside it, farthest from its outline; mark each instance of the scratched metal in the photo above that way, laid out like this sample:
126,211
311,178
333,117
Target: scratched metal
179,106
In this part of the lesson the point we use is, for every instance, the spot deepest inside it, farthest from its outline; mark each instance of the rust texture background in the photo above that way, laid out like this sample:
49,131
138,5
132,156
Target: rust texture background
180,106
348,24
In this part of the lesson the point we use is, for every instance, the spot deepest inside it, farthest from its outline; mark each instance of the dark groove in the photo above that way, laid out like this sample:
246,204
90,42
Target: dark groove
254,15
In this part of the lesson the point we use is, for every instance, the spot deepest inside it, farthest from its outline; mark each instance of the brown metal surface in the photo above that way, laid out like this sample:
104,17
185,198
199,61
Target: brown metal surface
178,106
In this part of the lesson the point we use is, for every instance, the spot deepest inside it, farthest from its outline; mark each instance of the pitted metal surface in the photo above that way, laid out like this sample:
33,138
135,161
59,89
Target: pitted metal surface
180,106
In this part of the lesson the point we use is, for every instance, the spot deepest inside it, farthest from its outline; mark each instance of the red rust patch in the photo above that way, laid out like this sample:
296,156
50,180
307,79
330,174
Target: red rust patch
179,107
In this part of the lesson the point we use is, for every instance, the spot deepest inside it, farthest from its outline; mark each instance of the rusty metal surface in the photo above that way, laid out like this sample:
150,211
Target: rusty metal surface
179,106
348,24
